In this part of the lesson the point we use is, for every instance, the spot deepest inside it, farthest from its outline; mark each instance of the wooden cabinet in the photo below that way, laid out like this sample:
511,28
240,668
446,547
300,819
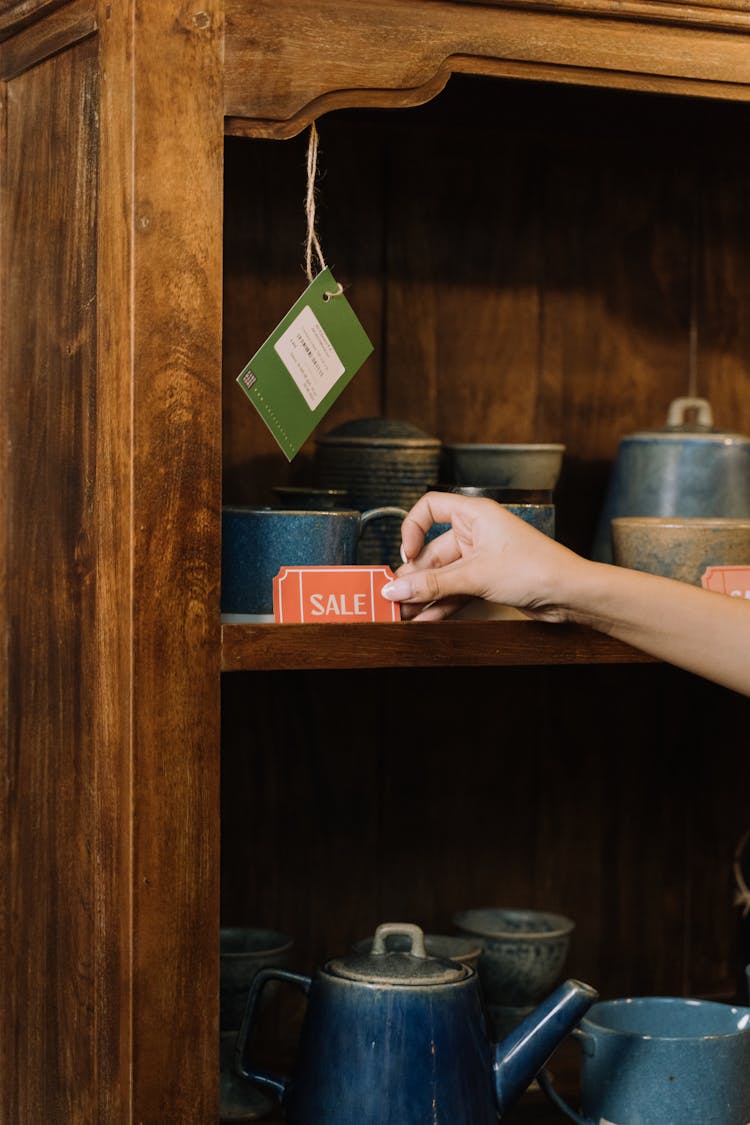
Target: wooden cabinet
540,214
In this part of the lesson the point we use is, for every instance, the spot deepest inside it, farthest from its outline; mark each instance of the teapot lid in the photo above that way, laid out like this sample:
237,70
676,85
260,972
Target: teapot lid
388,966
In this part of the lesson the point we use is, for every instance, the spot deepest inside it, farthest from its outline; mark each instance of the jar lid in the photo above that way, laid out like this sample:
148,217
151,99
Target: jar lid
388,966
379,432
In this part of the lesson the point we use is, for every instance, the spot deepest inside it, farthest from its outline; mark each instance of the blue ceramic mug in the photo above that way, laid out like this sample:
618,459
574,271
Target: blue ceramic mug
258,541
662,1060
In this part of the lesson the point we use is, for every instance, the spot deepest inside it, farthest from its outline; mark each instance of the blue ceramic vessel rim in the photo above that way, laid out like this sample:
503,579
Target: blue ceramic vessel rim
253,509
562,925
710,1007
698,437
277,942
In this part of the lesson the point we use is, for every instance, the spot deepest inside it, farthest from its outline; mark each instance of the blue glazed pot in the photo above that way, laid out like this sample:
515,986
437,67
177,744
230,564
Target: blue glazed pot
398,1038
677,471
258,541
662,1060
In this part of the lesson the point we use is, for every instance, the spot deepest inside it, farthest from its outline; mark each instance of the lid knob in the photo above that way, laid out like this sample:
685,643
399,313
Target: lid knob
402,929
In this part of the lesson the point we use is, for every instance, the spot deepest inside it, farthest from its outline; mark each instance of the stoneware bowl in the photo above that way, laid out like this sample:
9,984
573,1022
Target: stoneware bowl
523,952
531,466
680,548
449,947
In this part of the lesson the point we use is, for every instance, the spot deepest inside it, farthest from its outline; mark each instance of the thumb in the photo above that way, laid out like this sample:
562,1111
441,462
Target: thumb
422,586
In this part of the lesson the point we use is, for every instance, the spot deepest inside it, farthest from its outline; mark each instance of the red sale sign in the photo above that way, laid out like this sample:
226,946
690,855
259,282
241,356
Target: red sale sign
332,595
732,580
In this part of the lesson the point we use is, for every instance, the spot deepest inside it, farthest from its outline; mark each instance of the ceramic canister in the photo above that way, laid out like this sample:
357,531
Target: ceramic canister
378,461
685,469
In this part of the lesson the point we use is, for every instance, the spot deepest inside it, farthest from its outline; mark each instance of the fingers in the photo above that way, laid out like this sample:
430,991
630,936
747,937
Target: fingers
433,507
422,586
438,552
433,611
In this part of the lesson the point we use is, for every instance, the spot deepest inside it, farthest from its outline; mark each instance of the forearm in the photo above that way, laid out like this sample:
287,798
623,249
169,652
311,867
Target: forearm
705,633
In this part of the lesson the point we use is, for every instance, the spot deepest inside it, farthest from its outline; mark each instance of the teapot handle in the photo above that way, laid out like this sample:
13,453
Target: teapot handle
277,1083
545,1081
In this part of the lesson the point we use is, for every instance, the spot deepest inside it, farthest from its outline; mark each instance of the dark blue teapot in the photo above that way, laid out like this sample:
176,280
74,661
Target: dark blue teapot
399,1038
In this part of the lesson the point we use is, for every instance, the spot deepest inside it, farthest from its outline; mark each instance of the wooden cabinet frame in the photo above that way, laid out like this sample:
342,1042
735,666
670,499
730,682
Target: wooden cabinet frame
113,117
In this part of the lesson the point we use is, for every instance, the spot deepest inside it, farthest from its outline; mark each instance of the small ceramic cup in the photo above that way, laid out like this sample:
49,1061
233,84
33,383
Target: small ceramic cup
243,951
677,547
523,952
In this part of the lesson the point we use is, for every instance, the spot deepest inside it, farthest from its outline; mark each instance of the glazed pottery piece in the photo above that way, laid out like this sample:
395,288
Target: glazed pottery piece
685,469
517,466
448,946
523,951
240,1100
391,1036
258,541
243,952
680,548
662,1060
380,462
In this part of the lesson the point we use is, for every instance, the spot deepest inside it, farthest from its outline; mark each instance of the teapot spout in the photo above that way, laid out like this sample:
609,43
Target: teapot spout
523,1053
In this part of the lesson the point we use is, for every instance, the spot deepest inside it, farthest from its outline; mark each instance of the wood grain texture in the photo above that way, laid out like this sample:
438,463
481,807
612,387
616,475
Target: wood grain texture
380,52
61,29
15,15
53,888
409,644
111,267
173,203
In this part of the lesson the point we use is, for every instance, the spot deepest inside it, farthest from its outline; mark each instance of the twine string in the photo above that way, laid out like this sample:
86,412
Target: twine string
313,243
742,894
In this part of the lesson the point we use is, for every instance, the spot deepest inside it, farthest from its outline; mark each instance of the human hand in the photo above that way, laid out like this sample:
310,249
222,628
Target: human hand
488,553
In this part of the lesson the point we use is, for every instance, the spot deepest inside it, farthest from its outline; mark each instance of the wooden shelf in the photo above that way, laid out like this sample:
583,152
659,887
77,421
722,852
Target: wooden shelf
411,645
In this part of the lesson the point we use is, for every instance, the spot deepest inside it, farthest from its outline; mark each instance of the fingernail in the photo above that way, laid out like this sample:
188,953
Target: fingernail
398,590
402,552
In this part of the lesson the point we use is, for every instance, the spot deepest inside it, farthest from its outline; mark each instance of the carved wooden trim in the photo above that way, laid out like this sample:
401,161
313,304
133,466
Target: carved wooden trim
287,63
61,29
733,14
17,14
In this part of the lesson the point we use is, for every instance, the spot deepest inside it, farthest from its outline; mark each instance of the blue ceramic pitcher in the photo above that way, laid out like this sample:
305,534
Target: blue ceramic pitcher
662,1060
399,1038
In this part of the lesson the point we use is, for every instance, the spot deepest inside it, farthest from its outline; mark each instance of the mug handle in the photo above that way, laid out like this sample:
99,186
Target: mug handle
380,513
544,1079
277,1083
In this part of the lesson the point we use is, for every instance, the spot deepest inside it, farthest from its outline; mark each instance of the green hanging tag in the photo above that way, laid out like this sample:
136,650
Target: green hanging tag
298,373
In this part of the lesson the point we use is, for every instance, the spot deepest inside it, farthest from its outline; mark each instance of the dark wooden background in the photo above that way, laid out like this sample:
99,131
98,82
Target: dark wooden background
528,261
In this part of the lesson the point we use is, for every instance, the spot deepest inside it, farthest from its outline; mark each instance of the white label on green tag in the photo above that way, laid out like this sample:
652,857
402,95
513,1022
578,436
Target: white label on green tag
309,357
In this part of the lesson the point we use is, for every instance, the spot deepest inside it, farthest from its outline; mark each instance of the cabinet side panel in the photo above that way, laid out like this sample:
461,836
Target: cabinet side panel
50,396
